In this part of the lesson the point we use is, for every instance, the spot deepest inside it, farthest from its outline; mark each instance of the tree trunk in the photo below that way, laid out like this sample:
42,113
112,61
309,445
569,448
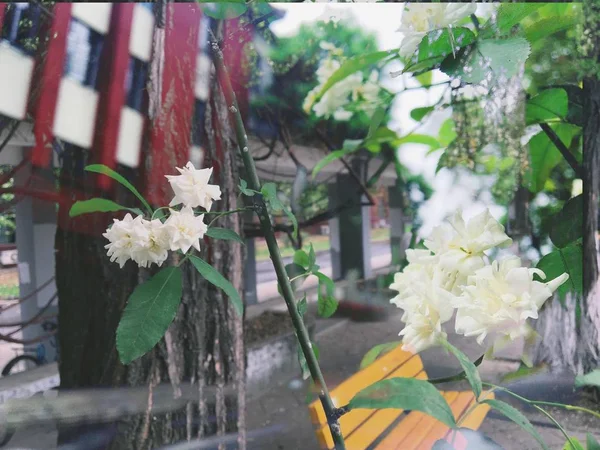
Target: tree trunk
566,344
203,346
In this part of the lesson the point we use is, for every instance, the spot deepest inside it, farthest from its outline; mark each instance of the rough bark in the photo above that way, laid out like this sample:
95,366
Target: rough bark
203,346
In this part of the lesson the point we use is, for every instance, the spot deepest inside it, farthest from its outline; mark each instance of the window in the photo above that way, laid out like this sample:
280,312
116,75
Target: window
21,25
198,124
84,47
135,84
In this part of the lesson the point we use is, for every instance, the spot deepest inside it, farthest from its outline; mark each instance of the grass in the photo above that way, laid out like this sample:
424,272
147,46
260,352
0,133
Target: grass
9,291
320,243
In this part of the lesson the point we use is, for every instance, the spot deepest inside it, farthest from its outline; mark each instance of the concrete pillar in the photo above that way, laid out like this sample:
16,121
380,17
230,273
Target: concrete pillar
250,291
350,231
398,222
36,229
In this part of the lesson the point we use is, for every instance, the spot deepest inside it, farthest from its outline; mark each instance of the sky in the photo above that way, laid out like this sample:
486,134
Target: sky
383,19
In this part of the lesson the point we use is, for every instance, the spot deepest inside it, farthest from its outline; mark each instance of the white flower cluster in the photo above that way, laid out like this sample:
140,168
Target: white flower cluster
353,88
420,18
148,241
453,275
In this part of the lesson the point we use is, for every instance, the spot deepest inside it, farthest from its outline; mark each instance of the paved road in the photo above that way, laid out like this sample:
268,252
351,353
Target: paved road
265,272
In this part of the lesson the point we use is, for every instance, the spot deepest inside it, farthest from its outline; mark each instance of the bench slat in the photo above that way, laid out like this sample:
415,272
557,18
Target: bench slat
416,424
349,422
472,422
344,392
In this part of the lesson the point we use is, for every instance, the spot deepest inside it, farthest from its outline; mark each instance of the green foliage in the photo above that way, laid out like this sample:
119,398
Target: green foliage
102,169
436,46
508,16
326,303
419,113
377,351
302,360
568,259
269,192
500,57
405,393
573,444
468,367
210,274
244,188
149,312
545,156
223,10
592,443
568,224
548,105
225,234
302,306
98,205
589,379
517,417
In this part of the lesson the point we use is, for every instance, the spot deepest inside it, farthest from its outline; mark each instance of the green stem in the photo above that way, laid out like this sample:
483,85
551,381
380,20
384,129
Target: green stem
158,209
534,404
300,276
226,213
269,233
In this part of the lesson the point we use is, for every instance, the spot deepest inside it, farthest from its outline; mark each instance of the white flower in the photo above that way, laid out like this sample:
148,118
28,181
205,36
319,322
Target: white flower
125,236
499,298
192,189
185,229
419,19
461,247
422,331
154,248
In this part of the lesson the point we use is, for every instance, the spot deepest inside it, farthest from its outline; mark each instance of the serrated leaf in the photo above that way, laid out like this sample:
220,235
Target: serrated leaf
409,394
436,46
550,104
589,379
569,260
468,367
269,192
510,15
377,351
210,274
102,169
352,65
489,56
225,234
149,312
244,188
568,223
545,27
97,205
517,417
326,306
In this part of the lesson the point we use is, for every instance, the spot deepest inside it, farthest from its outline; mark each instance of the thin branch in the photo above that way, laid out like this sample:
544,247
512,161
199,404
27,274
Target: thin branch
562,148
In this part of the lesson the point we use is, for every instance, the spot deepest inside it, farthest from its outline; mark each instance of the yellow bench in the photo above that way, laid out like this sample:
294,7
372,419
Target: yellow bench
390,429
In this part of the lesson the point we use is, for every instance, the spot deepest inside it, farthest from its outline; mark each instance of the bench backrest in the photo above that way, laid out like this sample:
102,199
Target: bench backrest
396,363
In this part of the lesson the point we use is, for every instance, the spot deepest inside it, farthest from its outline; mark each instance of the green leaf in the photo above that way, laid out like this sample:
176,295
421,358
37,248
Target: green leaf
592,443
376,120
568,223
544,156
225,234
326,303
210,274
302,360
288,212
293,270
550,104
352,65
589,379
97,205
312,258
573,444
302,259
436,45
149,312
543,28
337,154
447,133
409,394
425,78
510,15
418,113
419,139
569,260
244,188
517,417
224,10
269,192
500,57
102,169
468,367
576,99
302,306
377,351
